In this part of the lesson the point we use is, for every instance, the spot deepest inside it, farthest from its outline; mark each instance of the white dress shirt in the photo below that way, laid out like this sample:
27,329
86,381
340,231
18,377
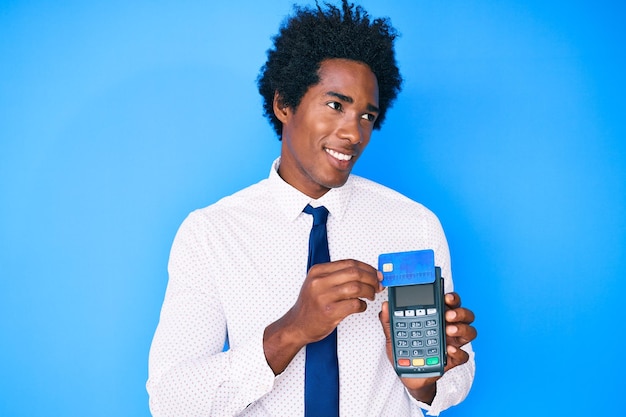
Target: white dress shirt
238,265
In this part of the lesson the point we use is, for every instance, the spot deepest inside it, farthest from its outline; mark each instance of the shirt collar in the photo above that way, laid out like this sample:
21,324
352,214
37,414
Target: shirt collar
291,201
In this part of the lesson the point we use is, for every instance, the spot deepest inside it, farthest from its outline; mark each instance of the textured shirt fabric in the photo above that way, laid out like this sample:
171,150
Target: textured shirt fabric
238,265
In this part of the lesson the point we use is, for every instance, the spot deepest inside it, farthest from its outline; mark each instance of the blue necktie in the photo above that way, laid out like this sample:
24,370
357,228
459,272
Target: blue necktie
321,370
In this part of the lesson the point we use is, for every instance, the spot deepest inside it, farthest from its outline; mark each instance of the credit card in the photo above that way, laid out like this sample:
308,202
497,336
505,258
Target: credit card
407,268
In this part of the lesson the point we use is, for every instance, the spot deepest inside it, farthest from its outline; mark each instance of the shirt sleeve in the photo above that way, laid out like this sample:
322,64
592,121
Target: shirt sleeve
453,386
189,373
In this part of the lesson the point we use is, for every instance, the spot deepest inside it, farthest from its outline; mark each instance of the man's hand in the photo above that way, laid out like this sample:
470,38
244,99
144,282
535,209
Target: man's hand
331,292
459,332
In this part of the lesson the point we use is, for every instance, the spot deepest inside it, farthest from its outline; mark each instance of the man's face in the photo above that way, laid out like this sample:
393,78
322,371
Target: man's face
330,129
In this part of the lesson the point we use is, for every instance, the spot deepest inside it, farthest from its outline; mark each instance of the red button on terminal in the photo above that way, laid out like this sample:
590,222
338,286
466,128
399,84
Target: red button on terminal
404,362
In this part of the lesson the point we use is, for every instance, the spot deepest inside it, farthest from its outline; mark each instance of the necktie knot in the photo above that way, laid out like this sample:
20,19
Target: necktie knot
320,214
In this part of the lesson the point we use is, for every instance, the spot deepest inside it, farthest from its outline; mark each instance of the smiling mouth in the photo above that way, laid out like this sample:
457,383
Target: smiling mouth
338,155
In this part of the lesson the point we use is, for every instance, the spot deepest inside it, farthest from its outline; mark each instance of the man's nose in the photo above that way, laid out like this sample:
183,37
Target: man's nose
351,130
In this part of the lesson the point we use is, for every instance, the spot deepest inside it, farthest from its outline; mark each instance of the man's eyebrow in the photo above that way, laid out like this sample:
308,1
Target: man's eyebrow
340,96
348,99
373,108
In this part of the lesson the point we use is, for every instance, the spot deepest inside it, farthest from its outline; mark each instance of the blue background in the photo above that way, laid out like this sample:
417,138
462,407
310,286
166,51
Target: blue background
118,118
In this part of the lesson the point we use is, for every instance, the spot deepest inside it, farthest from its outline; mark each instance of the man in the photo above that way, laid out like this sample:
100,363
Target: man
238,268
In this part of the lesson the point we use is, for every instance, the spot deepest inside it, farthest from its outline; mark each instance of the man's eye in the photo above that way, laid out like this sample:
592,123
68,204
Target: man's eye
369,117
334,105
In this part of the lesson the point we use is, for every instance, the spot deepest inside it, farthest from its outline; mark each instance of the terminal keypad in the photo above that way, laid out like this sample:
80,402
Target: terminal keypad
417,337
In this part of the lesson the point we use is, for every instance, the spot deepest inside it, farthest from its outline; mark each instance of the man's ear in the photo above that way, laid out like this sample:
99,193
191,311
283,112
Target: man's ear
280,110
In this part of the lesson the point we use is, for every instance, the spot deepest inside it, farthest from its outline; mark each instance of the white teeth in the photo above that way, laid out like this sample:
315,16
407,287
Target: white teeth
340,156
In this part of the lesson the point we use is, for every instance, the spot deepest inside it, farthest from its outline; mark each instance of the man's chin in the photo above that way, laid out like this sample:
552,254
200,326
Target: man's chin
337,182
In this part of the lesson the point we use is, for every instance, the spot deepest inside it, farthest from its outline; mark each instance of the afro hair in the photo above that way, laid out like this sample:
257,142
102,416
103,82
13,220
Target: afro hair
312,35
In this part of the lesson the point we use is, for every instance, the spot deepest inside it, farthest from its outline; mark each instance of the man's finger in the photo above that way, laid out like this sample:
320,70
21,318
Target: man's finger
459,315
456,357
452,300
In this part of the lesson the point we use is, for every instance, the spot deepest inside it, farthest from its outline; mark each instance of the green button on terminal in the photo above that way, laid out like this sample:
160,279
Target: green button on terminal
432,361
